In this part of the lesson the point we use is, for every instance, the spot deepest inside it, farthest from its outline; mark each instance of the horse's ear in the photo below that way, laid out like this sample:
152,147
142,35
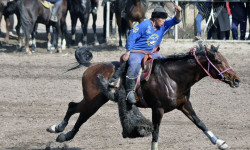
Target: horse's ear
217,48
214,49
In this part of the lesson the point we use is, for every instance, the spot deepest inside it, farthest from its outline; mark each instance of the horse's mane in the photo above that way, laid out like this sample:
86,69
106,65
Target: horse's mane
200,48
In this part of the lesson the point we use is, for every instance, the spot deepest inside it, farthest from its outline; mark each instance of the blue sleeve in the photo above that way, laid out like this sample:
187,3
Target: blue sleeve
135,34
170,22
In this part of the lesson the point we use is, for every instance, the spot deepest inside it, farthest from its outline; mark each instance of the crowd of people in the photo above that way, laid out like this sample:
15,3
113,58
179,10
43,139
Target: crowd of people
228,16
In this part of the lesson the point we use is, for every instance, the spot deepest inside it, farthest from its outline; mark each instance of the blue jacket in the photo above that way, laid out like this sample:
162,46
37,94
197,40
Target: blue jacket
144,37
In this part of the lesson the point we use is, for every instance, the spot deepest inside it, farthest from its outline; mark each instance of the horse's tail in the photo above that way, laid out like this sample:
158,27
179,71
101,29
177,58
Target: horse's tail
25,18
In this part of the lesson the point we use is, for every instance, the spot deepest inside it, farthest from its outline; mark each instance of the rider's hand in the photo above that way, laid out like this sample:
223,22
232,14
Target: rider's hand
126,56
177,8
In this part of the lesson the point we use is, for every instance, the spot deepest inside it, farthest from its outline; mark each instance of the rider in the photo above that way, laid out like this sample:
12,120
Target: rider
55,9
145,38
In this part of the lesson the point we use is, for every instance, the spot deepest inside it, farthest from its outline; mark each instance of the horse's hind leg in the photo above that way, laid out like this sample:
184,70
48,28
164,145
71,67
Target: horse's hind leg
60,128
84,21
87,110
94,15
190,113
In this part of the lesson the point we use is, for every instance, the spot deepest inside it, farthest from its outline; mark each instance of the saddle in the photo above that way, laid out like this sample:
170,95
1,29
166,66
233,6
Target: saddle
47,4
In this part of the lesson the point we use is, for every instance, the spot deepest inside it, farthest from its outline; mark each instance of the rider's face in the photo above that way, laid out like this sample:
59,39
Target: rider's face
159,22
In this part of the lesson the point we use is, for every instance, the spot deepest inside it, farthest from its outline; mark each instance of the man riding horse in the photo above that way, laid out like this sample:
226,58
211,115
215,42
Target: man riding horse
143,39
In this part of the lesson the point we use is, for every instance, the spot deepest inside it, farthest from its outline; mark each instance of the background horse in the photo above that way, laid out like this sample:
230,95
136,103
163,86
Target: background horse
168,88
135,11
33,12
6,11
77,11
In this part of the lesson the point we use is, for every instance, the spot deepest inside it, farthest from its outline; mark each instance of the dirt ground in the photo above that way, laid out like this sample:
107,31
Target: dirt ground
35,92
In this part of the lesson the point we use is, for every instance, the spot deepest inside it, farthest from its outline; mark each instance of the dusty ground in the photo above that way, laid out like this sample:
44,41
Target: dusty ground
35,91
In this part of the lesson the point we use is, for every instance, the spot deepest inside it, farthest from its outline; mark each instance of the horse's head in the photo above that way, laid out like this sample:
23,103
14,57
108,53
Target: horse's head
219,68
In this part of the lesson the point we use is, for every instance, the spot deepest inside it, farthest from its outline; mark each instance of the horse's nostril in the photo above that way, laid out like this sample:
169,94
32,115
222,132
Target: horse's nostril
237,81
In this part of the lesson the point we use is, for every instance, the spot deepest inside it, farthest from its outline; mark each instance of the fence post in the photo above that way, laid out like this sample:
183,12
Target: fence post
176,26
107,20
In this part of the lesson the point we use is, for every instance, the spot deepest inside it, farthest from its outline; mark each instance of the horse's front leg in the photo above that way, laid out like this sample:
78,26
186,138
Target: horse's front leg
94,15
84,21
64,33
33,36
7,36
59,37
18,28
73,28
157,115
50,46
190,113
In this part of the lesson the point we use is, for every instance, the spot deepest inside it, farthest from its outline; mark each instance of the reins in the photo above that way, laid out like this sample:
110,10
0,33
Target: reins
209,63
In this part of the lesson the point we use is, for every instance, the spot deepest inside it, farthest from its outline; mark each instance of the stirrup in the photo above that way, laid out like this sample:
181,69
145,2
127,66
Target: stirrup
131,97
53,18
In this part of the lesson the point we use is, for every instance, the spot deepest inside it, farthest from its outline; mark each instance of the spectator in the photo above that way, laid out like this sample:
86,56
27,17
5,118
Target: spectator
239,15
203,9
248,14
221,25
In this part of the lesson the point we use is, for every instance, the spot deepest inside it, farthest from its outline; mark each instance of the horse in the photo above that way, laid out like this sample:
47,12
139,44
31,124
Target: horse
33,12
135,12
78,11
167,88
6,11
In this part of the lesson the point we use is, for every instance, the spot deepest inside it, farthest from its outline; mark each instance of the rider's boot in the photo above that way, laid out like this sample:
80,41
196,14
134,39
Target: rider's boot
54,13
130,90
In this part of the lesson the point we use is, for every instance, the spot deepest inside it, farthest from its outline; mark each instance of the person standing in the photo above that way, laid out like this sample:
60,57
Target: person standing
239,15
248,14
203,9
222,23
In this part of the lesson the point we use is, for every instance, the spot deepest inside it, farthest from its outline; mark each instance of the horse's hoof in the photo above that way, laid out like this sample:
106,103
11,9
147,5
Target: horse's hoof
59,50
79,44
221,144
61,138
28,52
63,47
51,129
96,43
32,49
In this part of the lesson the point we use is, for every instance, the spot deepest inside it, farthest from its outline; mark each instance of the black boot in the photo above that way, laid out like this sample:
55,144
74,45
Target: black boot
54,13
130,90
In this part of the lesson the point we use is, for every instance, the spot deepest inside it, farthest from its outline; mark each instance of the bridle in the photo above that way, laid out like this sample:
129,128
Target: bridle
210,63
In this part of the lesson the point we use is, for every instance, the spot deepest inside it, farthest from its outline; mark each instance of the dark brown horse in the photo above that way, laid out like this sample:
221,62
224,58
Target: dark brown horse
168,88
33,12
7,10
135,12
77,10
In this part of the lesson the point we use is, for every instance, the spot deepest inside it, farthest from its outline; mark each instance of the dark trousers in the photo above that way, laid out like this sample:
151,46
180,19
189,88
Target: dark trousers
243,28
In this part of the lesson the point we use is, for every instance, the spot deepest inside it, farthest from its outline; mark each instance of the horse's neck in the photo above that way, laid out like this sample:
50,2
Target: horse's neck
188,72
